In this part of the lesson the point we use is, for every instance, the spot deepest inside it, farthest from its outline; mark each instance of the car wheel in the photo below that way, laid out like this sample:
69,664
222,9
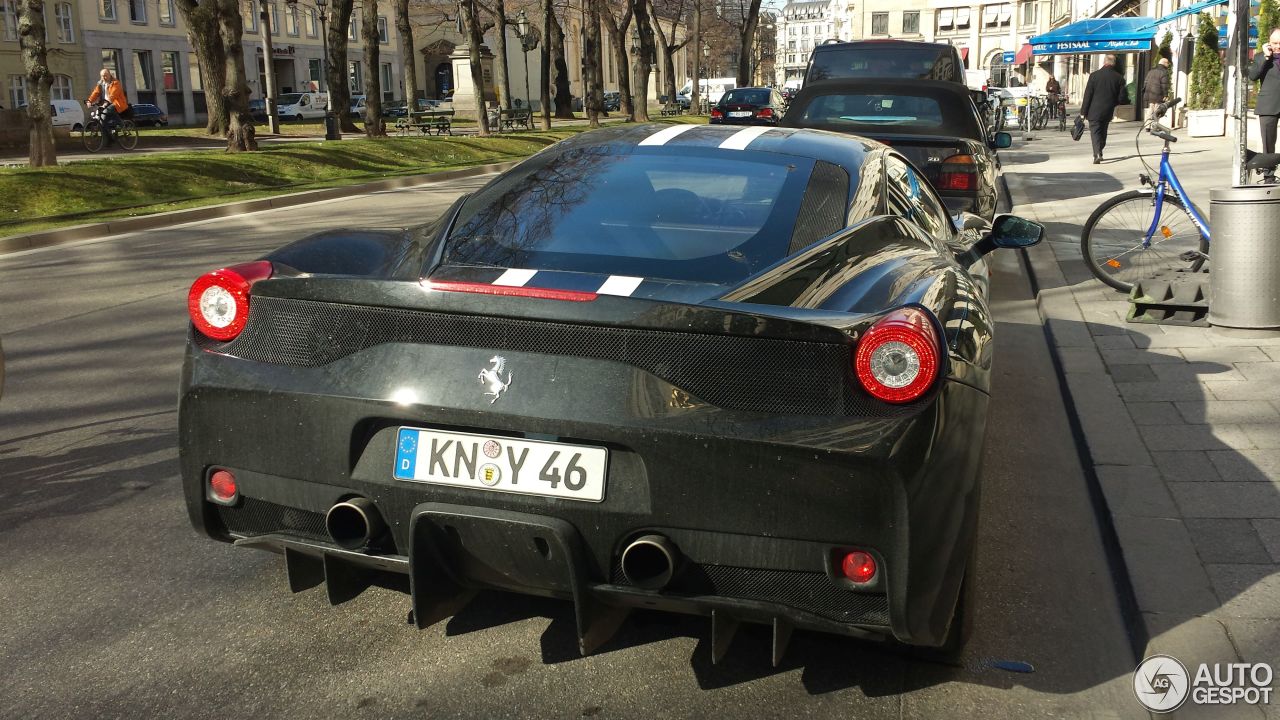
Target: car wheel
77,128
299,118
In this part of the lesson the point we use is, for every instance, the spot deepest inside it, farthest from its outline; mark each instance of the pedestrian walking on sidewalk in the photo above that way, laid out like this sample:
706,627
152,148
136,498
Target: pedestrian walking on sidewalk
1104,91
1156,88
1268,108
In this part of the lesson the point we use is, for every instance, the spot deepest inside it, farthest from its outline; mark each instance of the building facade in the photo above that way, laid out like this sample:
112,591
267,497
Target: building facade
66,57
802,25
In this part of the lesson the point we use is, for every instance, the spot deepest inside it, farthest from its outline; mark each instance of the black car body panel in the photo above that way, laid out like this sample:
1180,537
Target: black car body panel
748,106
955,130
145,114
733,422
902,59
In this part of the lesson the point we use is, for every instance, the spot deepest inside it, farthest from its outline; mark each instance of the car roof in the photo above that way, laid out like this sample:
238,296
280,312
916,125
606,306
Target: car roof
845,44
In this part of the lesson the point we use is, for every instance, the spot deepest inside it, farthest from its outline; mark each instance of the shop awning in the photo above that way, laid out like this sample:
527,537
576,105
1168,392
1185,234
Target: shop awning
1024,54
1188,10
964,53
1096,35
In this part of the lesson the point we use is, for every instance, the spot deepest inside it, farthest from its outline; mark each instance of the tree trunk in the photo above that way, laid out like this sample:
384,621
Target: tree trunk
374,126
618,40
592,64
235,91
202,31
35,61
271,91
501,74
641,63
748,41
475,38
564,96
408,55
339,83
668,48
544,85
695,94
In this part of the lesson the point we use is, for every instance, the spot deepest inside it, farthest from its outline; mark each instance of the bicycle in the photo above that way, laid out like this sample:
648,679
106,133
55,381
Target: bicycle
95,134
1039,112
1139,233
1060,110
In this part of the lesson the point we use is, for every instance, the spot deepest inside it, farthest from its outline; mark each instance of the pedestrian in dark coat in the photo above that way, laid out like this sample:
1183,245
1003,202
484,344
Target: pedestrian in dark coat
1104,91
1268,108
1156,89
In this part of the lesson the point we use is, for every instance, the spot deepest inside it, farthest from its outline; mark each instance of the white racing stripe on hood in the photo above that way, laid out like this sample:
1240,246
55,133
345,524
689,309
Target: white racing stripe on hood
515,277
741,139
620,285
662,137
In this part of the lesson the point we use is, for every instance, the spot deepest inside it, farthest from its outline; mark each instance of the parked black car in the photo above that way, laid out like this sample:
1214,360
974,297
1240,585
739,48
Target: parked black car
934,123
400,109
885,59
732,372
148,115
612,101
258,110
749,106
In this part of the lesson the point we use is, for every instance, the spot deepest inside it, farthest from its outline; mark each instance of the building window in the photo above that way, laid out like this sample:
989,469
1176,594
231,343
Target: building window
138,12
274,14
169,65
166,13
1028,13
356,78
351,30
880,23
142,76
197,79
314,70
962,18
61,88
111,61
388,86
9,16
946,19
383,36
251,20
62,14
911,22
17,91
291,21
107,10
996,16
311,23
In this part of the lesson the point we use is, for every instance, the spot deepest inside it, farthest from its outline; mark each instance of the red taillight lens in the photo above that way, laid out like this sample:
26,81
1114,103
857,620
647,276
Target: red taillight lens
219,301
958,172
715,113
765,113
858,567
899,357
222,487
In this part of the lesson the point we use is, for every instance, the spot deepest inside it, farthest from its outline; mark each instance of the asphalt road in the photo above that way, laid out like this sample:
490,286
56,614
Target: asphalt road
114,607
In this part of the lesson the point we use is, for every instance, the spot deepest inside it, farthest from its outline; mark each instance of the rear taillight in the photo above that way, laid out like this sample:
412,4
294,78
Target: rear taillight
219,301
765,113
223,488
898,359
715,113
958,172
858,567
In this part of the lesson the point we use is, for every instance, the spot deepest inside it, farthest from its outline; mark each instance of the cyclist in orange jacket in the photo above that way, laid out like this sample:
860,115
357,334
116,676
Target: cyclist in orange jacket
110,93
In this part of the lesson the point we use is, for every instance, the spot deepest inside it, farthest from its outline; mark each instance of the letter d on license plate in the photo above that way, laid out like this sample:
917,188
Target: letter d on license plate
501,464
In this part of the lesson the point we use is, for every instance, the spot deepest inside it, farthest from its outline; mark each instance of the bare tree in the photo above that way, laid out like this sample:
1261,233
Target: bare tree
592,63
201,19
470,11
746,18
564,95
548,19
339,83
407,54
235,88
667,44
643,60
35,60
374,126
617,30
695,94
501,74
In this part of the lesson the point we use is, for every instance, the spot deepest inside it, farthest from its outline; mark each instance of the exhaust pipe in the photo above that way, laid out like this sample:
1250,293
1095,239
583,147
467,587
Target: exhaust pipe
650,562
354,523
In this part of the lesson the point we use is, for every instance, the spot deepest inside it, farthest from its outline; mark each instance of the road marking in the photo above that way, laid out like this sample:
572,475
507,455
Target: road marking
620,285
662,137
741,139
515,277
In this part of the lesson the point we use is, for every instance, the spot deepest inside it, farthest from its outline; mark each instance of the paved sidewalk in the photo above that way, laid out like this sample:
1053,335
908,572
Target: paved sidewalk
1182,424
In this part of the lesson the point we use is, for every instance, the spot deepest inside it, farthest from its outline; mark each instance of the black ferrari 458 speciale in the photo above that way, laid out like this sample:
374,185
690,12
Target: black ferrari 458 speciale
741,373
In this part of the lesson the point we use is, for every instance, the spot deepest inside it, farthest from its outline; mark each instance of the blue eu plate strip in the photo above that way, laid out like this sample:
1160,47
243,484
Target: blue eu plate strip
406,453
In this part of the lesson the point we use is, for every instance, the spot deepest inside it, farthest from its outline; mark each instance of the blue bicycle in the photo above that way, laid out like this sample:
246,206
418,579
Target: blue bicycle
1140,233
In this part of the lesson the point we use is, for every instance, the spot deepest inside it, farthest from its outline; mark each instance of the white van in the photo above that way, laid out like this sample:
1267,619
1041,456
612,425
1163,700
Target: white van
66,114
302,106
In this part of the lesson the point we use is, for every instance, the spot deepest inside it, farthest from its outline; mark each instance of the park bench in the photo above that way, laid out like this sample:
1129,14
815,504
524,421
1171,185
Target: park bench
671,109
438,121
522,117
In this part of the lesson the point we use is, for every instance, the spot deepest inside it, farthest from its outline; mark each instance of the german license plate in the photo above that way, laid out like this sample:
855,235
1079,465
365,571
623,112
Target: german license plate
740,113
501,464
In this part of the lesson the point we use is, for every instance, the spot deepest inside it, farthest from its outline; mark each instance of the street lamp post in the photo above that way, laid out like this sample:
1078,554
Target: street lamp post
528,42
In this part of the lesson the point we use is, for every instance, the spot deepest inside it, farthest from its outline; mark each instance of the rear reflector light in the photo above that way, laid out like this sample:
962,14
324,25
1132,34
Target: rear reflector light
716,113
899,357
858,567
510,291
222,487
959,172
218,302
765,113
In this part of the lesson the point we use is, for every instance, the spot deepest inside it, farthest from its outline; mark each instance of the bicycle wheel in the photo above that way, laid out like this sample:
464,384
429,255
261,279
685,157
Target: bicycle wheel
127,135
1112,239
91,136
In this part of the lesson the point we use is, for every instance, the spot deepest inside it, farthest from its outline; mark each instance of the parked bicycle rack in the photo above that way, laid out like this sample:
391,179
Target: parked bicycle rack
1171,298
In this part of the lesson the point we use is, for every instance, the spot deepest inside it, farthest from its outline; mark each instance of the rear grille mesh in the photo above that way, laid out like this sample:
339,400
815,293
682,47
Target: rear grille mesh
810,591
259,517
740,373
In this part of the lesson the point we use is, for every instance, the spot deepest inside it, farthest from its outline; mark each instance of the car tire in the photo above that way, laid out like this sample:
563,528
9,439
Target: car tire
298,118
77,128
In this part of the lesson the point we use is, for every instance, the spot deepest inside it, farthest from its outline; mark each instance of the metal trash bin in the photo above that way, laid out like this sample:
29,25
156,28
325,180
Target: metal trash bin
1244,265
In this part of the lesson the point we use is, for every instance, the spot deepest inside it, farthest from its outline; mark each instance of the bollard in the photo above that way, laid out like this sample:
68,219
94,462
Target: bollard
1244,272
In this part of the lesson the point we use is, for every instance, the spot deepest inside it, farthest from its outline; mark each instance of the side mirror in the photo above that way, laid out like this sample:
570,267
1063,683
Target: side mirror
1011,231
1001,140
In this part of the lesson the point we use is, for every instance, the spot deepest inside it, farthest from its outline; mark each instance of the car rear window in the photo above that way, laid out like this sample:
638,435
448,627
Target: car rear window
884,60
747,97
887,112
698,217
